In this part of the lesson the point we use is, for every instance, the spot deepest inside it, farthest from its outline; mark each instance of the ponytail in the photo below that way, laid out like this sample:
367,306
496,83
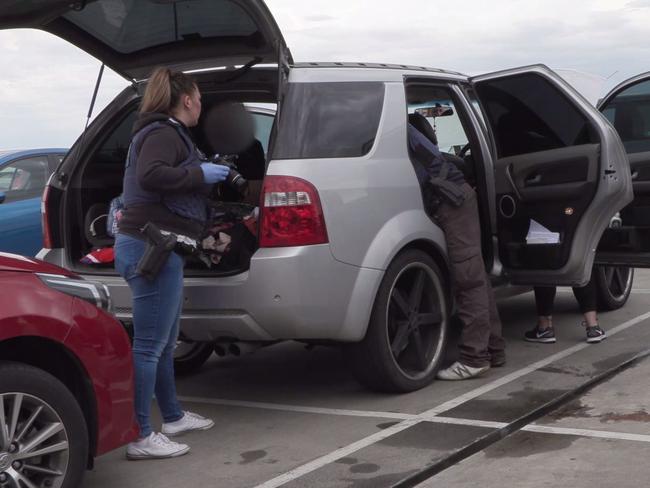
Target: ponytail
164,90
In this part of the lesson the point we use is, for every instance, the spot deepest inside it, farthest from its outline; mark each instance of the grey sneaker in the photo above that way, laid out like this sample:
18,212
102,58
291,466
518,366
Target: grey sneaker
155,446
460,371
595,334
190,421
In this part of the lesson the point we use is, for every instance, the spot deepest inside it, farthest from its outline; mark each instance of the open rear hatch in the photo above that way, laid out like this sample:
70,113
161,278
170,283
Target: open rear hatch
134,36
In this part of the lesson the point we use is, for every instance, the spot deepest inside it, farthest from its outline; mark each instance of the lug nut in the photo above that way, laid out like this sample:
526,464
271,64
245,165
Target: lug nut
16,465
13,447
3,477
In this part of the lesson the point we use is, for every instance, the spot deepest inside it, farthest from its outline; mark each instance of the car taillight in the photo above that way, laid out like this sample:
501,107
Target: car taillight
291,213
47,233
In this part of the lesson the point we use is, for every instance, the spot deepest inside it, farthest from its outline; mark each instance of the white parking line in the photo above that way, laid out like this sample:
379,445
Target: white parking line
336,455
299,408
431,414
602,434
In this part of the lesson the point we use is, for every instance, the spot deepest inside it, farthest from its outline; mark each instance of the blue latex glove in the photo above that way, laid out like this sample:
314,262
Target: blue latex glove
214,173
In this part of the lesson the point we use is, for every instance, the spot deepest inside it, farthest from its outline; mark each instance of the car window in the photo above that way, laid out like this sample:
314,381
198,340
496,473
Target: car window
328,120
25,178
629,112
528,114
263,124
115,147
448,127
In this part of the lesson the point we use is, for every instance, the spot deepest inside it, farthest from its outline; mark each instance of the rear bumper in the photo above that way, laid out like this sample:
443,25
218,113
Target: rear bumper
288,293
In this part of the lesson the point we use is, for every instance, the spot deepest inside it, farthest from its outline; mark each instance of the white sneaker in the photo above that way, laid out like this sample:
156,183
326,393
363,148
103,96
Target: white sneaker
460,371
189,421
155,446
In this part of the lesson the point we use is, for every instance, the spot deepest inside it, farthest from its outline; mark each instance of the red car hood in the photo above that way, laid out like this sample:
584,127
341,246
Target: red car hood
14,262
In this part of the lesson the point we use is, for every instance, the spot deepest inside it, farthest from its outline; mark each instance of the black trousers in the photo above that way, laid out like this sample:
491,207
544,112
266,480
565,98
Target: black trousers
585,295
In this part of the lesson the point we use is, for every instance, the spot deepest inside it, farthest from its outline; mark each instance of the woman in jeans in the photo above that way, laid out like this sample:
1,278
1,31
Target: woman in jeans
166,182
544,298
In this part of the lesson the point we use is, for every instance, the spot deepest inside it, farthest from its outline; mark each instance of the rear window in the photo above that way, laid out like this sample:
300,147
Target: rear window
629,111
328,120
131,25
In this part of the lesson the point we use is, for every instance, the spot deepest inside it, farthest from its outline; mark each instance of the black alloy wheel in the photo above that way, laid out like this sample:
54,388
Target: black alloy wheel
614,284
407,333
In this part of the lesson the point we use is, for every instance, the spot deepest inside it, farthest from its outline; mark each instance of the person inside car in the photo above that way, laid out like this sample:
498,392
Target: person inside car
454,207
166,183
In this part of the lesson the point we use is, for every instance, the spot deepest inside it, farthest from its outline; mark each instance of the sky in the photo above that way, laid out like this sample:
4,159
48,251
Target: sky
46,84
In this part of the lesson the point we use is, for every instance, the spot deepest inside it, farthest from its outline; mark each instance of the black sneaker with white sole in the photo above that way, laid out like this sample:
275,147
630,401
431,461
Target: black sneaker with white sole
595,334
545,336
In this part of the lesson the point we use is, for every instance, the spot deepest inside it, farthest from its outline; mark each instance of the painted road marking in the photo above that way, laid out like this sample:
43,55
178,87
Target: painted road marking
300,408
434,412
602,434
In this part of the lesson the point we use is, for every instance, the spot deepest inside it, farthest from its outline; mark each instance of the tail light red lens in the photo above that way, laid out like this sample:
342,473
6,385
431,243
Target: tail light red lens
291,213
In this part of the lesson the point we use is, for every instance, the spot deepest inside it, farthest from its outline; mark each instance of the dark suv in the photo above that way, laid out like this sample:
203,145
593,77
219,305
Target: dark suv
66,392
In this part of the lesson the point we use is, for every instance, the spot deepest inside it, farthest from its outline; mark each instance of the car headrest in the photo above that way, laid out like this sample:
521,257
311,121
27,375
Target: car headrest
420,123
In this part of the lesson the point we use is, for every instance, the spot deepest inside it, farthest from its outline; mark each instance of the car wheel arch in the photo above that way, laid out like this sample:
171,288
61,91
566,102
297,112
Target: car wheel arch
54,358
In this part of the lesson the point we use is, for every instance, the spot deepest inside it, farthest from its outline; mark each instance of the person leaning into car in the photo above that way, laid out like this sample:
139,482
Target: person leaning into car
455,211
165,183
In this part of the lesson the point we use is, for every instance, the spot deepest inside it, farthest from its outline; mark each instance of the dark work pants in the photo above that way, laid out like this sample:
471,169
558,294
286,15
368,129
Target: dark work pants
481,335
585,295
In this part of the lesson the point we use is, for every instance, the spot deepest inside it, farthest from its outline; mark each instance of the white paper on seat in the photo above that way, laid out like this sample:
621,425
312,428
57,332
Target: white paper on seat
538,234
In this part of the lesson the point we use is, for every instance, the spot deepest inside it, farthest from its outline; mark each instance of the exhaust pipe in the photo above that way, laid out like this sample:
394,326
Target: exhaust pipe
241,348
219,350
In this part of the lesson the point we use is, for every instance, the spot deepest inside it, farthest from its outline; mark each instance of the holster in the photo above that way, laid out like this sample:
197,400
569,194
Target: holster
159,247
448,191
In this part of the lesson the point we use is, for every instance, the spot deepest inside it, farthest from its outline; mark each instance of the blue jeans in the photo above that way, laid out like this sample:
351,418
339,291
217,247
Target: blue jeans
156,316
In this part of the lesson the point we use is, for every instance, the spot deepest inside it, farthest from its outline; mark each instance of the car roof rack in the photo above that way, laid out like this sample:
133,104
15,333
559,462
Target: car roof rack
375,66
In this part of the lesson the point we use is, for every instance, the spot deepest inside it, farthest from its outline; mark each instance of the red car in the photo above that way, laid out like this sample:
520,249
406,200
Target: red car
66,375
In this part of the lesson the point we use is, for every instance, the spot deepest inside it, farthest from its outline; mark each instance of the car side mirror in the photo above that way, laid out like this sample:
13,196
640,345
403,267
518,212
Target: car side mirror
2,196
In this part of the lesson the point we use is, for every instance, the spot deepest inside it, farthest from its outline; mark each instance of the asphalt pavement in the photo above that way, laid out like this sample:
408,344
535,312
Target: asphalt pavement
564,414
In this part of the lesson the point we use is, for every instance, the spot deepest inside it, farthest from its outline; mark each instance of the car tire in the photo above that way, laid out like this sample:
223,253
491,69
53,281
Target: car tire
31,389
613,285
189,356
407,333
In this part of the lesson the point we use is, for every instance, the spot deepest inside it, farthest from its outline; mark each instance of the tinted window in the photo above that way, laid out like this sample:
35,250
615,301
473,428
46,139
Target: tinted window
629,111
115,148
328,120
25,178
263,124
131,25
528,114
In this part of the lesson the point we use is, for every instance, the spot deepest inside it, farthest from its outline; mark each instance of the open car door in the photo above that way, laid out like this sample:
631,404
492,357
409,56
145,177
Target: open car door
560,170
134,36
627,107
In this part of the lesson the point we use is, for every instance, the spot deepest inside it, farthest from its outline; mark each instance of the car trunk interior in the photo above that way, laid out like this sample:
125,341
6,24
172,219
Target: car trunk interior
98,179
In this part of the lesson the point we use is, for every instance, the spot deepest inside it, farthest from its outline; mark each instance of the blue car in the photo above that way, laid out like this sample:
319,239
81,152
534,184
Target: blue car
23,175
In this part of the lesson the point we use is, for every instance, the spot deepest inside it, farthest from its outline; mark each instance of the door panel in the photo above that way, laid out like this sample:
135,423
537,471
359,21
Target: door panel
627,107
558,163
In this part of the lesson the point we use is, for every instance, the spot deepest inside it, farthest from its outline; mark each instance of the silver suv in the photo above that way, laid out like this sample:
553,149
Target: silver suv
346,253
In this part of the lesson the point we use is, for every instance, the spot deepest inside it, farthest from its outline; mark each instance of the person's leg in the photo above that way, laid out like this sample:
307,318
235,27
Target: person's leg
171,291
175,420
543,331
463,234
496,342
587,300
